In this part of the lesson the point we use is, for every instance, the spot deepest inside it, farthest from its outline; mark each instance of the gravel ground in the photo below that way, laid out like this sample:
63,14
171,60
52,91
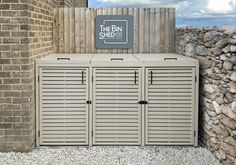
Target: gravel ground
111,155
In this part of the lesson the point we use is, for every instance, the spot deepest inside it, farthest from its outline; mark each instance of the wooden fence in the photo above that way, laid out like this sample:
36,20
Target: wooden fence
74,29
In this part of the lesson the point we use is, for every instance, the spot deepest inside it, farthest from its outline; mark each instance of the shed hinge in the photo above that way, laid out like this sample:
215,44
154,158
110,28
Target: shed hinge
89,102
38,78
92,133
195,78
92,79
194,133
143,102
38,133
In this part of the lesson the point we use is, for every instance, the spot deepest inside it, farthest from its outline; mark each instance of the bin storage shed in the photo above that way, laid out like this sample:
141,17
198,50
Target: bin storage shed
117,99
63,89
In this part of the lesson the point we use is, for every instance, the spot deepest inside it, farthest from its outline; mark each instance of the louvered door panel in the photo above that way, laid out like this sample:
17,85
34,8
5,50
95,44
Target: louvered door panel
116,112
63,108
170,108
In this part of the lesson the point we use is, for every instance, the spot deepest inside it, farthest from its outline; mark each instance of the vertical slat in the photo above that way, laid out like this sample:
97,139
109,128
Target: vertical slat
141,30
172,30
102,13
131,12
157,31
77,30
56,30
167,27
162,30
151,32
83,30
146,30
99,12
72,30
136,30
61,30
88,31
67,29
92,36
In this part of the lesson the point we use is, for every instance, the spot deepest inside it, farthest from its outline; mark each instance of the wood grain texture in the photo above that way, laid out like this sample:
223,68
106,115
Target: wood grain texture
74,30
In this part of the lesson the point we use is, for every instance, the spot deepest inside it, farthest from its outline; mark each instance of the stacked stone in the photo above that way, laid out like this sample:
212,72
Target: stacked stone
216,50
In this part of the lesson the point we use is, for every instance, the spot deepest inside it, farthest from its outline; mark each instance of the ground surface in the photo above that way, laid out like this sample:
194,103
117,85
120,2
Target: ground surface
111,156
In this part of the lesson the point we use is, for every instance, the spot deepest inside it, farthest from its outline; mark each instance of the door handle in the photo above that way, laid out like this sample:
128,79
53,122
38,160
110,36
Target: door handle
82,77
151,77
143,102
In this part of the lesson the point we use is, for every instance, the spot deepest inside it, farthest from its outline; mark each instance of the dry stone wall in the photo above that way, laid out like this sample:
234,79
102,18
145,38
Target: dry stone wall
216,50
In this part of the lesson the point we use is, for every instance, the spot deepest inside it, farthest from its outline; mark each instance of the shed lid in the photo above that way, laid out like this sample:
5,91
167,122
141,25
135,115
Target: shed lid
166,58
66,59
115,60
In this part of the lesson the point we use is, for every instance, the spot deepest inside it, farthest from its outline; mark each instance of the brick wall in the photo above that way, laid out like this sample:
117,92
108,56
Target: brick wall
25,35
74,3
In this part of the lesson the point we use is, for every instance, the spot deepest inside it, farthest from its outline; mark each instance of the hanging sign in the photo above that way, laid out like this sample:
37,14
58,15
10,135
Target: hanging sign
114,31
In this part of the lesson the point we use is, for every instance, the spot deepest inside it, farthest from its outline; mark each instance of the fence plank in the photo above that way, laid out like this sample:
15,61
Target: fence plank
151,32
146,30
162,30
92,35
61,30
172,30
136,30
157,31
77,30
141,31
131,12
67,29
99,12
83,31
74,30
56,30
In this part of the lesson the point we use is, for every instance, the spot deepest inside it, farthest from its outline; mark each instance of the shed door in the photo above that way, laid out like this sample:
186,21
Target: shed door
63,108
170,109
116,112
